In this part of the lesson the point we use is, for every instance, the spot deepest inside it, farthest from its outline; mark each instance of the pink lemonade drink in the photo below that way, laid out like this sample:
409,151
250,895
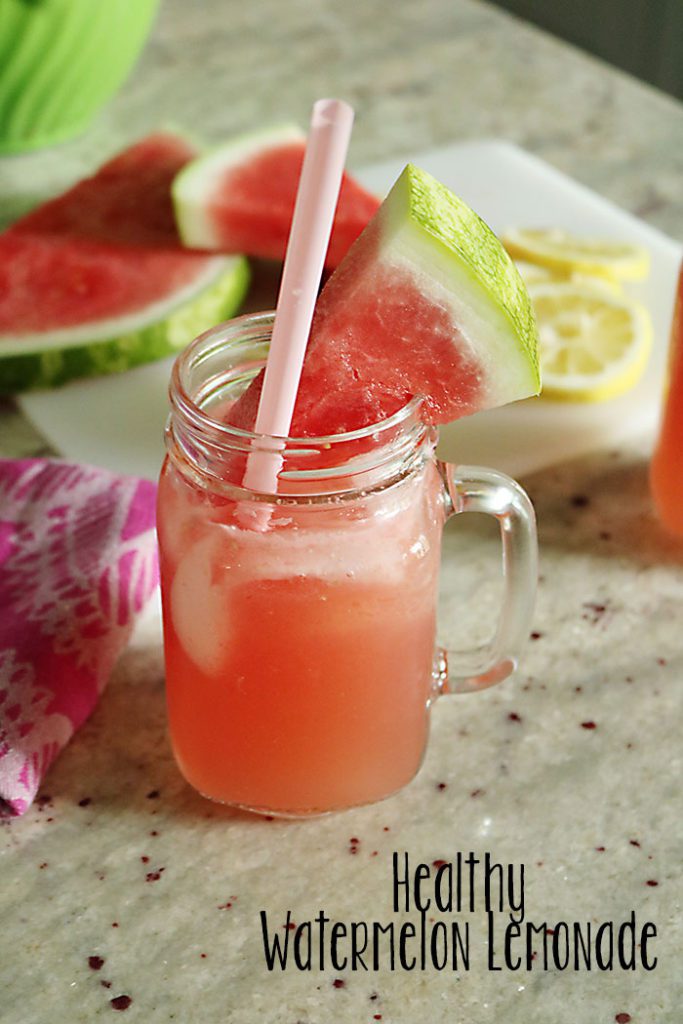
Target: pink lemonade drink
300,627
300,659
666,478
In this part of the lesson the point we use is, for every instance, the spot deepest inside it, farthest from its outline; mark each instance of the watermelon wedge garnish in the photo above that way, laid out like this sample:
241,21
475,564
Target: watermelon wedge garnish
240,198
96,280
427,302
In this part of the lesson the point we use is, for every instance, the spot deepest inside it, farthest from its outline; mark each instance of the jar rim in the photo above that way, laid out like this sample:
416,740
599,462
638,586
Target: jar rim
228,356
205,344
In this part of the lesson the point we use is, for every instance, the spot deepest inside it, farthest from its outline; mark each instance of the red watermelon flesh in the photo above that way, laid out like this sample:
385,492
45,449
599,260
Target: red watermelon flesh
103,249
426,303
376,341
247,206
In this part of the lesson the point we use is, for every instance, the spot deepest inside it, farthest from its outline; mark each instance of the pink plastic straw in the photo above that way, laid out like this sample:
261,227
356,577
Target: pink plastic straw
316,201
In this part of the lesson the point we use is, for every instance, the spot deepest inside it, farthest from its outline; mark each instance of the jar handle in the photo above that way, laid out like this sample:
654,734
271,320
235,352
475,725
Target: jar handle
477,489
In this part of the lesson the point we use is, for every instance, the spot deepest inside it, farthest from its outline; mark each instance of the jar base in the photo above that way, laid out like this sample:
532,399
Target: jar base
299,814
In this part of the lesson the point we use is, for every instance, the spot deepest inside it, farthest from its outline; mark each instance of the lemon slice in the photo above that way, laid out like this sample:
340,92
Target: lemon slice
534,273
593,345
604,284
565,253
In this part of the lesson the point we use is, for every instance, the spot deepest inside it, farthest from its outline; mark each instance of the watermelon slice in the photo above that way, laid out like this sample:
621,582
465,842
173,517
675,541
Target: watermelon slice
240,198
427,302
96,280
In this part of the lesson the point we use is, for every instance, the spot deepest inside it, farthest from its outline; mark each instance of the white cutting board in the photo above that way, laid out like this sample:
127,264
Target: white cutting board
118,421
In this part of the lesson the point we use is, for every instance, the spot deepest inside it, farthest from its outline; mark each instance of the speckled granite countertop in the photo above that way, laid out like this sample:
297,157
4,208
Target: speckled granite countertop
122,891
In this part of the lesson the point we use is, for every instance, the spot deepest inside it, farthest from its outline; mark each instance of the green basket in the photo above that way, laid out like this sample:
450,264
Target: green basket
60,61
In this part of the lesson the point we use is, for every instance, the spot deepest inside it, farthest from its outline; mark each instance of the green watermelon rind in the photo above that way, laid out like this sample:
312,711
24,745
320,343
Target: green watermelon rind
425,224
53,366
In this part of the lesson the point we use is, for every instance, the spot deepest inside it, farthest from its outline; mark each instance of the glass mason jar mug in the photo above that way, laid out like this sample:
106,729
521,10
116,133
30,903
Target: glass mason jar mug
299,626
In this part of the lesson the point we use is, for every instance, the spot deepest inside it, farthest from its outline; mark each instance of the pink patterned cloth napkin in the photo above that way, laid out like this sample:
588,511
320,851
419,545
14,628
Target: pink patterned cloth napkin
78,562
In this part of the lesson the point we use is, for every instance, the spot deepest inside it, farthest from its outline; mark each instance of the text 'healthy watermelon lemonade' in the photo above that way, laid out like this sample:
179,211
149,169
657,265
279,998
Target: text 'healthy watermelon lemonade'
300,644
